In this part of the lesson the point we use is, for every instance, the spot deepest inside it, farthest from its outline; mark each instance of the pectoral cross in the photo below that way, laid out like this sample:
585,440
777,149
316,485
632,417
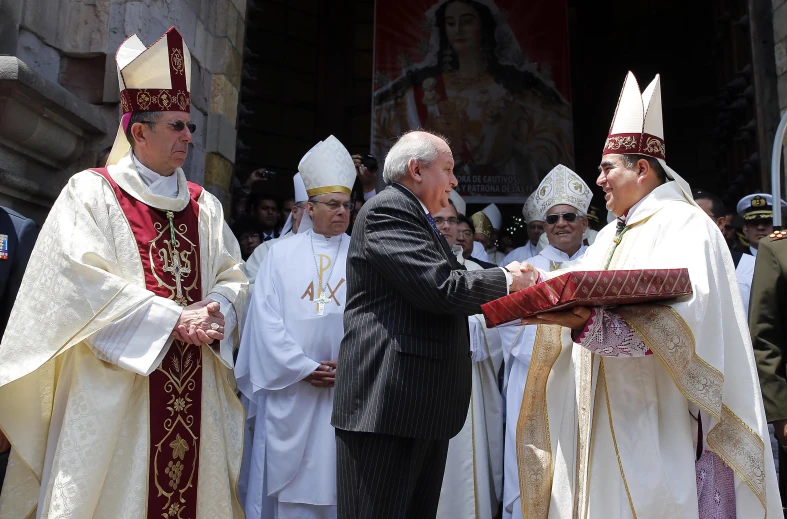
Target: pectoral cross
321,302
179,272
175,268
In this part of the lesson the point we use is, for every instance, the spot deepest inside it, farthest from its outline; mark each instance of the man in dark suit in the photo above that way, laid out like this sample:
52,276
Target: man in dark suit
404,371
17,237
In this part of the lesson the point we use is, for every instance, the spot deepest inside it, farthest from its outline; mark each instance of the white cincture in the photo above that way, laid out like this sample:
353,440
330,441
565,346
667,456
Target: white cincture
322,299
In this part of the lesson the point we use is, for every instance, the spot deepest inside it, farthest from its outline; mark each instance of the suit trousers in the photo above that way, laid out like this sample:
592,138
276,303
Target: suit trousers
382,476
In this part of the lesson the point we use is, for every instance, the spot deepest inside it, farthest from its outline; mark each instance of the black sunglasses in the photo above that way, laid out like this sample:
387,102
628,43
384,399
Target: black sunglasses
177,126
552,219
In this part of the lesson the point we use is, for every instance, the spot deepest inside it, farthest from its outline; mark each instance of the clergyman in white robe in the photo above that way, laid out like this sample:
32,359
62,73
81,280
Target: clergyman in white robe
473,480
637,430
292,463
74,395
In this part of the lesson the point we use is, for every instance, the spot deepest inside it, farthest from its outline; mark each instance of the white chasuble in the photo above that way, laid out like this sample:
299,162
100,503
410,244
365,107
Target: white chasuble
295,322
518,349
612,437
473,480
74,395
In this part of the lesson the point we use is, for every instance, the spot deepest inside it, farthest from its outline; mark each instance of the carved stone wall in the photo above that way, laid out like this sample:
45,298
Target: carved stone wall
59,91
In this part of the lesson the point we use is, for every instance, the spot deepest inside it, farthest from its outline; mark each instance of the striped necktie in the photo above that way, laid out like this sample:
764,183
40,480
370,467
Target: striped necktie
433,224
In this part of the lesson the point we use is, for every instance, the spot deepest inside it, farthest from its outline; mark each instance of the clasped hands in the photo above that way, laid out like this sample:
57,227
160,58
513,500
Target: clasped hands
195,325
324,375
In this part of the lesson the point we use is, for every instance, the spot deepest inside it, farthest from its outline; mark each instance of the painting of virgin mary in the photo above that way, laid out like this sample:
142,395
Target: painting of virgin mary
504,120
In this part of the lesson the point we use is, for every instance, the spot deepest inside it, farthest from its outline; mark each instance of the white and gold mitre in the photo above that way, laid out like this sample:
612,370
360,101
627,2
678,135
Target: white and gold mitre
493,213
637,126
155,78
328,168
530,211
562,186
300,188
459,202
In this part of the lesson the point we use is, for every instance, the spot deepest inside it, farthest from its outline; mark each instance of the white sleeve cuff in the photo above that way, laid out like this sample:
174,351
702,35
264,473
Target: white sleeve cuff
226,345
478,347
140,339
509,279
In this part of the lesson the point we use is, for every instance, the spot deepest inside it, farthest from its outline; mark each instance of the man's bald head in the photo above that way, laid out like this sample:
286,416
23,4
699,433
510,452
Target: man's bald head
422,162
424,147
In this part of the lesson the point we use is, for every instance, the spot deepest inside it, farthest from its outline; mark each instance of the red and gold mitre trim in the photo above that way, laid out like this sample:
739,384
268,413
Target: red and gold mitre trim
635,143
176,98
155,100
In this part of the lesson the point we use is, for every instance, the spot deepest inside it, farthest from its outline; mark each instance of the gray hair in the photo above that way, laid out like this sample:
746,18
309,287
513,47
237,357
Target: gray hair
140,116
417,145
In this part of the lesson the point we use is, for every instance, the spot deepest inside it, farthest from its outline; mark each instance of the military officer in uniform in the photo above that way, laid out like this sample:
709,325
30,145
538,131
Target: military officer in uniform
768,325
757,213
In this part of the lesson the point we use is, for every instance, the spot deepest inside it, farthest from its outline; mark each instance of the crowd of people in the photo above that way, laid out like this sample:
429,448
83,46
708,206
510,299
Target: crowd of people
327,356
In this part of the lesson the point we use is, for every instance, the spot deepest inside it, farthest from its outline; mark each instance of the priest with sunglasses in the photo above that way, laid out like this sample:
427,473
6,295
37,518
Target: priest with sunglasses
561,202
116,373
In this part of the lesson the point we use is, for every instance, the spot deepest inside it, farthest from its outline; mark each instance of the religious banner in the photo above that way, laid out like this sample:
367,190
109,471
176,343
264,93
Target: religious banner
490,75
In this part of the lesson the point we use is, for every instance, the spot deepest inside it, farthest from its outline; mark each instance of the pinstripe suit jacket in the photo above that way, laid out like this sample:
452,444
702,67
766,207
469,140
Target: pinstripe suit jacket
404,366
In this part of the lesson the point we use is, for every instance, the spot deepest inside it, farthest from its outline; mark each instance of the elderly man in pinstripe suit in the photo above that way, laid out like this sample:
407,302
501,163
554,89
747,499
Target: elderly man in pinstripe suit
404,370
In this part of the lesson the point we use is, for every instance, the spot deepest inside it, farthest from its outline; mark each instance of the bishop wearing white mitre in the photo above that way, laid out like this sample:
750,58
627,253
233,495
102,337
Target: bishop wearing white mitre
563,197
287,360
112,407
648,410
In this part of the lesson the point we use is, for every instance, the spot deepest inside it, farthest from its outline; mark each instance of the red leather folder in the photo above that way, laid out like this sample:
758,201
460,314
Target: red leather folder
589,288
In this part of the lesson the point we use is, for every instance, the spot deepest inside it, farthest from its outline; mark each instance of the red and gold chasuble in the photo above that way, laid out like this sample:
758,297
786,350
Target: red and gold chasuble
169,249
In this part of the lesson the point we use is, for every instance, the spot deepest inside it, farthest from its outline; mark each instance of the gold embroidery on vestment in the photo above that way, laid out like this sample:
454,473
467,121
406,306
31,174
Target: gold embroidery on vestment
176,260
741,449
616,143
668,336
533,442
180,373
177,61
654,145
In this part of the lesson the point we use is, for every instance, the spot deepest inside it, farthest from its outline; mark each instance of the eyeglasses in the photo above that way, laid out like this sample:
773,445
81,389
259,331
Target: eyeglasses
334,206
552,219
177,126
450,221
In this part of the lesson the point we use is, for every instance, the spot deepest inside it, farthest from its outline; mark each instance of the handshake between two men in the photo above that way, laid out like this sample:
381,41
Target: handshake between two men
524,275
